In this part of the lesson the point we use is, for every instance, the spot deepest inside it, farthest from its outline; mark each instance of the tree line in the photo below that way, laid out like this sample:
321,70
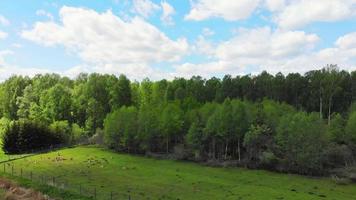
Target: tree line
303,123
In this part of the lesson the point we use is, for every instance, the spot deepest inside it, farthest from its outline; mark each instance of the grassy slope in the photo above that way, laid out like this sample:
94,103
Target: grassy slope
50,191
164,179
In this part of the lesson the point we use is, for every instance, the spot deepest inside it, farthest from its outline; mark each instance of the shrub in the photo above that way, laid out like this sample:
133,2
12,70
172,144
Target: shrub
302,139
62,131
4,124
78,134
268,160
24,136
338,156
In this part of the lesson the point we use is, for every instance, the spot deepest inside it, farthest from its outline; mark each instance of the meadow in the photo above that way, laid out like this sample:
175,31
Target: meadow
147,178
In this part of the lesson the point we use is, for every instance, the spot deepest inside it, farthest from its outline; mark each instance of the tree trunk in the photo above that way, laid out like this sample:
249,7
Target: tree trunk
329,114
214,148
238,149
167,145
226,145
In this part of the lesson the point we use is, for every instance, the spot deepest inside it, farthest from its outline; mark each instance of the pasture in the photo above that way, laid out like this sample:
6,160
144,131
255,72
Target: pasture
147,178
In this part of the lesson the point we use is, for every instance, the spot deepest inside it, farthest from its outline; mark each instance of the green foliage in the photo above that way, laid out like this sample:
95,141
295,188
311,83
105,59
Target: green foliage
121,128
62,131
170,122
256,141
351,128
78,133
121,93
24,136
302,138
56,103
4,125
336,130
250,118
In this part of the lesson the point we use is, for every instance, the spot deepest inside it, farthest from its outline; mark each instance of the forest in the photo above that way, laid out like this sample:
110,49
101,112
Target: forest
299,123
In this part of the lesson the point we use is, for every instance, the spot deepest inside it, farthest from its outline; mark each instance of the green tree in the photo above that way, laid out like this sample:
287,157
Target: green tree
256,141
302,138
120,129
121,93
10,91
171,123
56,103
351,128
336,130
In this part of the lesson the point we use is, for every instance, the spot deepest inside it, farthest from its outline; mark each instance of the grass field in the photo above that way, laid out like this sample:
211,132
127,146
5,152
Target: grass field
148,178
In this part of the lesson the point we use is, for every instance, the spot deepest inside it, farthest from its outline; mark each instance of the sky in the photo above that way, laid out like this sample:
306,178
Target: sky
175,38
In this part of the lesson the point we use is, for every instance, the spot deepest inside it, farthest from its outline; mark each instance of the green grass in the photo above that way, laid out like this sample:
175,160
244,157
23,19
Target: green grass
2,194
148,178
5,157
45,189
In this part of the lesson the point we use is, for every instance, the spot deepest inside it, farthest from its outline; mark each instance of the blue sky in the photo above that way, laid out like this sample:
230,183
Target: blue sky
168,38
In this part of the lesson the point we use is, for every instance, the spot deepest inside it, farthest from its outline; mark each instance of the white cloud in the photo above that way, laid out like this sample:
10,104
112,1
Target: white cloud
44,13
347,41
3,35
145,8
255,50
105,40
226,9
252,45
7,70
204,47
205,70
4,21
302,12
167,13
275,5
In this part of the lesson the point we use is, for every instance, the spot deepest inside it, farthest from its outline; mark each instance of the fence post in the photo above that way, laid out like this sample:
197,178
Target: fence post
4,168
31,175
12,170
111,195
129,197
21,172
54,181
80,189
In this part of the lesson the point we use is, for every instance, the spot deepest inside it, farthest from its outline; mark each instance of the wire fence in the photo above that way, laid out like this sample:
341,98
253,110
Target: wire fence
11,157
61,183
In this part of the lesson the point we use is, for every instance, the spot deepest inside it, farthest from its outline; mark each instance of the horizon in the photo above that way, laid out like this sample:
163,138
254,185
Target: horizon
166,39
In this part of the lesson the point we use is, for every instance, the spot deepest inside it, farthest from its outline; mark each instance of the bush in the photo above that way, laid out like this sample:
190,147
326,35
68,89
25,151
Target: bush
62,130
268,160
25,136
78,134
338,156
302,139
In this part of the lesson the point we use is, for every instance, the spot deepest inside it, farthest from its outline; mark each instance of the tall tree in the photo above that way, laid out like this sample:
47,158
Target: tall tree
121,93
171,123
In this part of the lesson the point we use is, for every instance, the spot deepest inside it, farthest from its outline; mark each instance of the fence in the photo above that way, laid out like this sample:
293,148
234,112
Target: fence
63,184
11,157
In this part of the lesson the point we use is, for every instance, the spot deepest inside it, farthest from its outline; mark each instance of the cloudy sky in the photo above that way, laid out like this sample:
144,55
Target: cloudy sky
168,38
